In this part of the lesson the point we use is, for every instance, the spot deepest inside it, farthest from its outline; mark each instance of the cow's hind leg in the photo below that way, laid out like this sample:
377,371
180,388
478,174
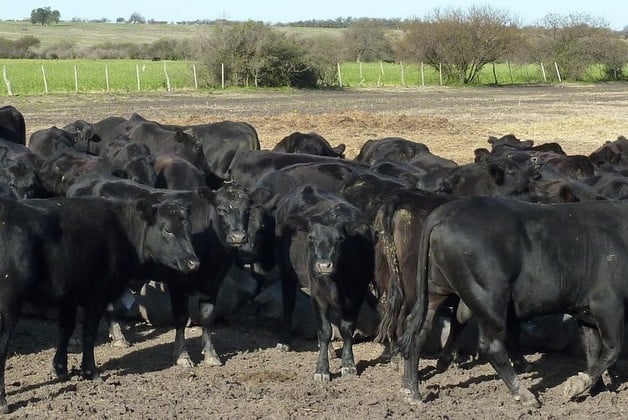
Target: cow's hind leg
608,313
66,323
8,321
210,357
90,331
493,346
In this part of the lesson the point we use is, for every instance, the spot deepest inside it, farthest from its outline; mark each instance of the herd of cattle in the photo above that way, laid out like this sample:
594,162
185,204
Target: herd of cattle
92,209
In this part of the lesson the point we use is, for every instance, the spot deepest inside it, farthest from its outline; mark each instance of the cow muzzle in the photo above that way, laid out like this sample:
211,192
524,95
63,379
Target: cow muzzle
324,267
190,264
237,237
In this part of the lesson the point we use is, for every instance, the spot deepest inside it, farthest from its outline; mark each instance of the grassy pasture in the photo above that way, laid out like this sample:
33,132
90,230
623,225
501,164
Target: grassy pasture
90,34
26,76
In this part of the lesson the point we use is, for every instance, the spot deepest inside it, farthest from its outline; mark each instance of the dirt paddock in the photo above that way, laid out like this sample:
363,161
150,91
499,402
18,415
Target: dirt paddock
258,381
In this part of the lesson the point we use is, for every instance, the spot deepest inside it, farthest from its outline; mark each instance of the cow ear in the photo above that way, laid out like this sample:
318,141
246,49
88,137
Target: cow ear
497,173
359,229
340,150
206,193
294,223
260,196
147,211
481,154
119,173
213,181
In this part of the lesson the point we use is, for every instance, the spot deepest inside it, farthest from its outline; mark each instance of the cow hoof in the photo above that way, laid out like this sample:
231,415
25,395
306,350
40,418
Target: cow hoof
527,399
92,376
211,361
185,362
321,377
348,370
61,372
576,385
121,343
282,347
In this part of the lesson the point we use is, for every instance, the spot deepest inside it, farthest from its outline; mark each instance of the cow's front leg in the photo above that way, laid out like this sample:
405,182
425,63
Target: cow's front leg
66,324
7,326
180,315
347,327
324,338
210,357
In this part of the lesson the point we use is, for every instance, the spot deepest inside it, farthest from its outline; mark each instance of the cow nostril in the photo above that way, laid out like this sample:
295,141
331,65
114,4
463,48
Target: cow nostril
238,237
193,264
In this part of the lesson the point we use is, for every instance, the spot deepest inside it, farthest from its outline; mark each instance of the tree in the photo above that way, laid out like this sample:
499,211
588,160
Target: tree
120,20
253,54
578,41
366,41
45,16
136,18
461,42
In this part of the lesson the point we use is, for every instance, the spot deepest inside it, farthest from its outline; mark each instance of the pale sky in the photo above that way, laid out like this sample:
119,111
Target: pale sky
614,12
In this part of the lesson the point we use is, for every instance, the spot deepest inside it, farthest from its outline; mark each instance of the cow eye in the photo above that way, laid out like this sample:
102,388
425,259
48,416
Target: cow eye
166,231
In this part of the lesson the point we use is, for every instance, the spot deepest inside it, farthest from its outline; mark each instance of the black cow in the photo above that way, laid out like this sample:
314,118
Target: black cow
45,143
105,130
18,171
248,167
324,244
218,221
612,154
222,141
12,125
309,143
538,259
390,148
82,252
67,166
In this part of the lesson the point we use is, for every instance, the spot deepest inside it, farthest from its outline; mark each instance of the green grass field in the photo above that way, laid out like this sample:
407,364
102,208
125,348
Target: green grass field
27,78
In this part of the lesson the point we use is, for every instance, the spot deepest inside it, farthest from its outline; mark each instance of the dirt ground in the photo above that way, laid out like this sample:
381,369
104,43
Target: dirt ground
258,381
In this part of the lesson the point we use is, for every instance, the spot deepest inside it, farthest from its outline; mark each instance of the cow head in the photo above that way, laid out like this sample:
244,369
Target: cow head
167,235
231,206
20,176
260,229
141,170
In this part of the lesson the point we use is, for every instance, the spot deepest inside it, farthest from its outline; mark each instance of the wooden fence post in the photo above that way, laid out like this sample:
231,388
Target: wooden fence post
222,74
195,79
43,72
167,77
137,75
107,77
6,81
543,72
403,79
75,80
440,73
557,72
422,76
339,75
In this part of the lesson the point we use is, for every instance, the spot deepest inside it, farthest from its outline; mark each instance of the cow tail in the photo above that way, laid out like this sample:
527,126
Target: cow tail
416,318
394,293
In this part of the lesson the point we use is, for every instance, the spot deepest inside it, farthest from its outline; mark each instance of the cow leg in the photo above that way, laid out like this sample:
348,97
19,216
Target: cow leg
447,353
115,333
324,338
493,346
8,321
513,346
90,331
66,323
592,346
410,378
347,328
609,314
180,315
210,357
288,292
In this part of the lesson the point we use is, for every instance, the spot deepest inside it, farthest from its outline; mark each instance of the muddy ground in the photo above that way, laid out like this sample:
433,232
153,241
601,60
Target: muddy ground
258,381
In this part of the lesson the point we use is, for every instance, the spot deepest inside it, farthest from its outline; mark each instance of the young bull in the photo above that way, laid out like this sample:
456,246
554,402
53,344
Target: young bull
82,251
324,244
528,260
